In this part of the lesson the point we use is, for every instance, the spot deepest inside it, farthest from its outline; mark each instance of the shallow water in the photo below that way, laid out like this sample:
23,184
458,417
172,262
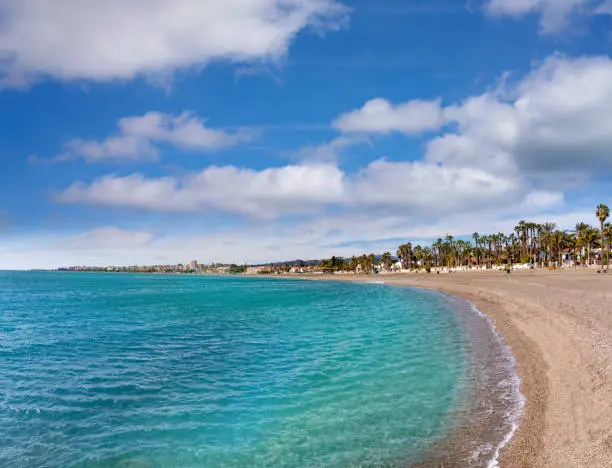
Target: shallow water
150,370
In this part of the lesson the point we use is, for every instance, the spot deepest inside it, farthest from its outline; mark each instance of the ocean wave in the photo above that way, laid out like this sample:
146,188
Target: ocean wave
512,386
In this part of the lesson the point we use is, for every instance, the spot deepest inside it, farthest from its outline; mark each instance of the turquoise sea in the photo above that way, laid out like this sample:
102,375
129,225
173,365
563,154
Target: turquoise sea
105,370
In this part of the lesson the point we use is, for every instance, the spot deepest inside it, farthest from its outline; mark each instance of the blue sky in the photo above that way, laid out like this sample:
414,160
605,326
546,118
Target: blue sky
263,130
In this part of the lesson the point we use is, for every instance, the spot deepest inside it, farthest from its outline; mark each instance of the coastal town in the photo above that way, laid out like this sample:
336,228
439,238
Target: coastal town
530,245
194,267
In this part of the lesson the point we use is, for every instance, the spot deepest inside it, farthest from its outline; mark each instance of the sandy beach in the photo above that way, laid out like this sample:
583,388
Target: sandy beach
559,327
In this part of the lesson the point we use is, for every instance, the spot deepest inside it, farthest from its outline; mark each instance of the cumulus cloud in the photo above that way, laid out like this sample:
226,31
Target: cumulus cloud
554,126
380,116
122,39
554,14
539,199
564,110
486,131
557,127
138,137
550,130
503,157
419,187
412,187
265,194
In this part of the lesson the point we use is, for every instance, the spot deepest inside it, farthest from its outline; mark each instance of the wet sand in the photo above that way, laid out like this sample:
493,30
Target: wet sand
559,327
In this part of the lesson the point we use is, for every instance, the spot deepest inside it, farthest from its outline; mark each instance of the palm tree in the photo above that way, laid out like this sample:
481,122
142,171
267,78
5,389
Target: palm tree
463,252
579,232
386,259
409,254
539,244
511,248
607,239
476,238
418,255
603,213
590,237
501,241
546,237
521,234
404,253
436,252
428,255
533,230
450,248
490,255
370,260
363,262
494,248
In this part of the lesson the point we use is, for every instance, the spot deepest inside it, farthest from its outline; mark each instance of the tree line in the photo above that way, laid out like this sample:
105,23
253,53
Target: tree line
534,243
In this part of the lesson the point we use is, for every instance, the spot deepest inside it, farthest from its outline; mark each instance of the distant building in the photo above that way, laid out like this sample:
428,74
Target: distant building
194,265
258,270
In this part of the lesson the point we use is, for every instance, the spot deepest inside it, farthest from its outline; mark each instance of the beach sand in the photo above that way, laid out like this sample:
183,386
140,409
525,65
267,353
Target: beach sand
559,326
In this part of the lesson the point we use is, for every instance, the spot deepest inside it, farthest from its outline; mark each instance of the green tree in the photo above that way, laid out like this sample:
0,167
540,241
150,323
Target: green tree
476,238
418,256
603,213
546,239
521,231
386,259
370,261
590,236
607,239
404,253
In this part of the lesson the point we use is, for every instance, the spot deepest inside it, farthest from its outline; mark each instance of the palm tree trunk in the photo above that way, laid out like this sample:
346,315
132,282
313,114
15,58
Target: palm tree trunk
602,244
589,254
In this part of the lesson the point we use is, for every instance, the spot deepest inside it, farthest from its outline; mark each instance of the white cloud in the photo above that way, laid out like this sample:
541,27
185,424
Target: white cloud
565,113
331,151
539,199
553,127
510,154
557,128
429,188
267,193
138,136
122,39
486,130
380,116
503,158
109,238
416,187
554,14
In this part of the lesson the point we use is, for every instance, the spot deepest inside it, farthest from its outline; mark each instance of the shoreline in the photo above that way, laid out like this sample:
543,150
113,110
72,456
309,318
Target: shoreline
558,326
492,409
